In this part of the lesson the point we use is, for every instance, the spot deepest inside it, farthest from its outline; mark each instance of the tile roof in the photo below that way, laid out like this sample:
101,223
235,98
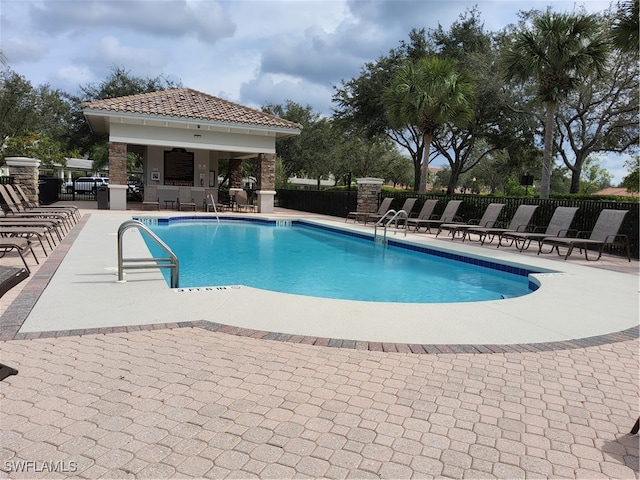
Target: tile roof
621,192
188,103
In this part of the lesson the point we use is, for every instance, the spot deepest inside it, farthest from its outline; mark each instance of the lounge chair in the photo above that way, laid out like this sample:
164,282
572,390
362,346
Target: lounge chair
53,221
488,220
20,245
559,226
361,216
52,225
27,232
185,200
604,233
519,223
26,207
17,209
10,277
242,204
151,198
426,212
209,204
448,216
407,206
22,196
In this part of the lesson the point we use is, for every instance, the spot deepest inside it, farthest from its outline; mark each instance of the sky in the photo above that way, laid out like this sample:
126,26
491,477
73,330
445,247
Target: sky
253,52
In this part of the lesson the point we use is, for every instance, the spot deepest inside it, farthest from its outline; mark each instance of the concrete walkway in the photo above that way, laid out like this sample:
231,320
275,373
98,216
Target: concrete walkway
175,400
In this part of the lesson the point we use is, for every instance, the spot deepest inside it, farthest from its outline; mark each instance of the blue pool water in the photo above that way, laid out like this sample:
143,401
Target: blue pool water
307,260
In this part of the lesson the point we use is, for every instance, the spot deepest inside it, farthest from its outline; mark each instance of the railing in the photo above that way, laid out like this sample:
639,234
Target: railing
390,216
170,262
213,204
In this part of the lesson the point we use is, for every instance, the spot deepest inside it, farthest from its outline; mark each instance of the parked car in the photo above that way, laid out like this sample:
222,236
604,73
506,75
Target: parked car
87,184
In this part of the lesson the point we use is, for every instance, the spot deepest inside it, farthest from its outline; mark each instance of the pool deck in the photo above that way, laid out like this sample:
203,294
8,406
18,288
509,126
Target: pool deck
135,380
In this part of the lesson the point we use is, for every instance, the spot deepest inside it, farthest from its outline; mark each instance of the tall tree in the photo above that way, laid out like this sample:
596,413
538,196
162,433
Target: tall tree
428,94
600,116
475,51
558,51
360,101
119,83
292,150
626,27
593,177
632,180
25,108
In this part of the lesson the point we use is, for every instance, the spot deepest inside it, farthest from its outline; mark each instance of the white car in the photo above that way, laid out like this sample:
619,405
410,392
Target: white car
87,184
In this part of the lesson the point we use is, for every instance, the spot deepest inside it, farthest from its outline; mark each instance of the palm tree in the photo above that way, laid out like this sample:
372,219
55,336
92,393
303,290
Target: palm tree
558,53
428,94
625,31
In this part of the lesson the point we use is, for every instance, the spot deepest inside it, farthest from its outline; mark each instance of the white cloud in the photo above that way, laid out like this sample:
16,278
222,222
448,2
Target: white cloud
23,50
206,20
278,89
109,50
72,75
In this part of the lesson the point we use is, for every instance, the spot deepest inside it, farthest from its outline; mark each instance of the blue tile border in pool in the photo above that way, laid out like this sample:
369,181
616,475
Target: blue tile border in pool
17,312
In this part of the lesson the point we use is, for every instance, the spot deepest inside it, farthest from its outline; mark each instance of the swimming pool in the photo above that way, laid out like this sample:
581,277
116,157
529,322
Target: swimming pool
305,259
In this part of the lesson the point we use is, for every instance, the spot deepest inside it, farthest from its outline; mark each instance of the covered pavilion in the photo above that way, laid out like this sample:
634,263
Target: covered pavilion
181,135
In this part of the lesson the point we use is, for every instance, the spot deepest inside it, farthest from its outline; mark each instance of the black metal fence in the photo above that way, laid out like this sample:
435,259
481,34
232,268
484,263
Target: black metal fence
339,203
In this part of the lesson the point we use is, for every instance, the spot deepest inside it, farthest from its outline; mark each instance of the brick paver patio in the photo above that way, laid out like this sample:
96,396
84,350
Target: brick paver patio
187,402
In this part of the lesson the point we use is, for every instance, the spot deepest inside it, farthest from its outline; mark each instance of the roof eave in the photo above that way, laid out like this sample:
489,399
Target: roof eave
99,121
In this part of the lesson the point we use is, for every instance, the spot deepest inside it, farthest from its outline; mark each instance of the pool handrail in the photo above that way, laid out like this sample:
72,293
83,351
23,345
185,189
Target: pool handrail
215,208
394,215
145,263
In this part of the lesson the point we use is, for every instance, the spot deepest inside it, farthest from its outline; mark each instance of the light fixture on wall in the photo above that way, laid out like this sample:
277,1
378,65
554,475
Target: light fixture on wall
197,135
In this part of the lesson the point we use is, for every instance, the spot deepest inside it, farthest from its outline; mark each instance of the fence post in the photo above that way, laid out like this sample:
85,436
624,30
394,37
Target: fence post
25,172
368,193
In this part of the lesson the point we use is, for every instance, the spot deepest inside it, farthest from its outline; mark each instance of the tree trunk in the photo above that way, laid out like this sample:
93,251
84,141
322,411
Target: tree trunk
417,169
547,157
424,169
576,173
453,180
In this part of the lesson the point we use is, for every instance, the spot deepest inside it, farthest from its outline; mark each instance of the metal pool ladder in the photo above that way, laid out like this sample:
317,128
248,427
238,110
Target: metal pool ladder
387,219
171,261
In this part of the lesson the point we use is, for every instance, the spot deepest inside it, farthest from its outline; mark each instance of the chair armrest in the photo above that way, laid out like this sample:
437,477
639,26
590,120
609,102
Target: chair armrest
612,238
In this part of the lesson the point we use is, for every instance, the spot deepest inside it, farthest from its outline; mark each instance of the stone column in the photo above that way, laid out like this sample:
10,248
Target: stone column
117,176
368,194
266,182
235,176
24,170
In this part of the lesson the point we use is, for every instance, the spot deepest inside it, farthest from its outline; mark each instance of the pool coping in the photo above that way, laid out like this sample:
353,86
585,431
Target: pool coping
18,311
